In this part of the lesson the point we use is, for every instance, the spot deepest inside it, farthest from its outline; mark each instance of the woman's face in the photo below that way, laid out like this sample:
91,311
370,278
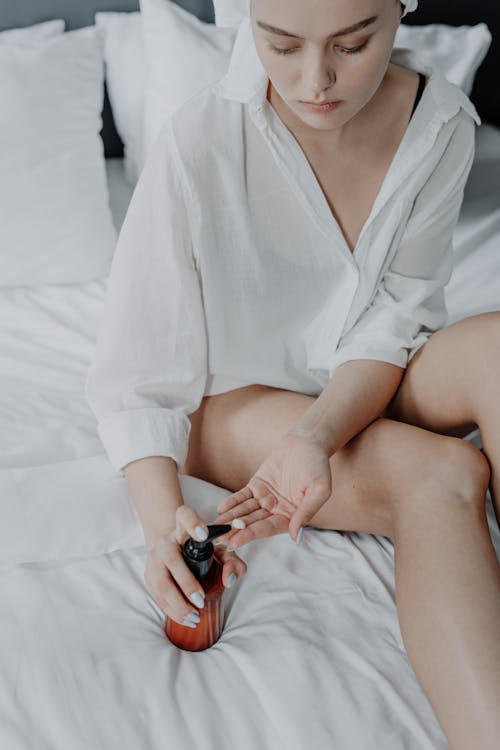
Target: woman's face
305,65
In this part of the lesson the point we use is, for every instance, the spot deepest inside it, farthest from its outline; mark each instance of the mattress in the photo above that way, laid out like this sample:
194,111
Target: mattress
311,654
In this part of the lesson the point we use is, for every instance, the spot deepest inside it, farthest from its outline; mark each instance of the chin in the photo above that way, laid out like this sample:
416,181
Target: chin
314,125
318,122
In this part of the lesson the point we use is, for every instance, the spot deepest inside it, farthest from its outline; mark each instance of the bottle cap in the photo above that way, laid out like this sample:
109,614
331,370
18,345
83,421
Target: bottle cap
199,555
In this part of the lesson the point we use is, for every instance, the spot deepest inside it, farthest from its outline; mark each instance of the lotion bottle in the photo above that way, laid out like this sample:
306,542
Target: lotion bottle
199,557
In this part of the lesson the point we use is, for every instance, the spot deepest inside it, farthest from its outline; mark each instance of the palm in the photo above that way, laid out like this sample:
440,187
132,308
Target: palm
285,492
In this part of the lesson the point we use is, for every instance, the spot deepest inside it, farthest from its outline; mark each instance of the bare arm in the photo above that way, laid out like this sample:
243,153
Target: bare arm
357,393
295,479
167,522
156,493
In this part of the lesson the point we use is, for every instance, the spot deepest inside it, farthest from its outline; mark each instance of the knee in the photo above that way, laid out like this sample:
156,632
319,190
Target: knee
459,471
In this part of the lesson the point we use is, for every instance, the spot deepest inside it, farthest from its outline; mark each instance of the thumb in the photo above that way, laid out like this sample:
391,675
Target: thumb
306,511
233,567
297,521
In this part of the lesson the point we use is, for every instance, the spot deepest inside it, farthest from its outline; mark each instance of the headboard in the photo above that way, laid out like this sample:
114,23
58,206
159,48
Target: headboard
79,13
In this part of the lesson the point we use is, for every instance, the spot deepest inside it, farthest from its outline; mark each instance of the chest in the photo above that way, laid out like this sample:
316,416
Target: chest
351,177
350,184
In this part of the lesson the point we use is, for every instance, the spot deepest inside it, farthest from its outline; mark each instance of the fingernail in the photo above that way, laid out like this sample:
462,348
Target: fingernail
299,535
201,533
231,580
193,616
188,623
197,599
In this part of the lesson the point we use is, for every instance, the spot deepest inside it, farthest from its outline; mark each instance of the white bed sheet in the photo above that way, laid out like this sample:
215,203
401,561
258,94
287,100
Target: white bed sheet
311,654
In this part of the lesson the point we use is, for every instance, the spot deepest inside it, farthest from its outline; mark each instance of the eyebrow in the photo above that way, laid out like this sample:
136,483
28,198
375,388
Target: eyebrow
341,32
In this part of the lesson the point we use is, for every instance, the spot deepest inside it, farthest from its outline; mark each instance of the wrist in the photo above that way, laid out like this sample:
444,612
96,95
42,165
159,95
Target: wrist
316,424
152,534
320,434
156,493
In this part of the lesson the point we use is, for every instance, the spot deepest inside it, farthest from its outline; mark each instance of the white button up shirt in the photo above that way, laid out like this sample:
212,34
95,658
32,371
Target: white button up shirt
231,269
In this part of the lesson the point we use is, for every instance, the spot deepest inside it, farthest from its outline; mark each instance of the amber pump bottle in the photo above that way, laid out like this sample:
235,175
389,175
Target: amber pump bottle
199,557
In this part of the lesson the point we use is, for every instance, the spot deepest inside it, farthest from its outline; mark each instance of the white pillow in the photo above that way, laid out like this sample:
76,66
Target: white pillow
126,77
230,12
55,221
29,34
457,51
184,56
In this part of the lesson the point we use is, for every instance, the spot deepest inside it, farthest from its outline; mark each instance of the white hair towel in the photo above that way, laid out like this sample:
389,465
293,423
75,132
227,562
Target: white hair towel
410,5
230,12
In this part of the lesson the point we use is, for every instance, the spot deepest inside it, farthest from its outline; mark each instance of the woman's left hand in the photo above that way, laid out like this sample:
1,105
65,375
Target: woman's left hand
286,492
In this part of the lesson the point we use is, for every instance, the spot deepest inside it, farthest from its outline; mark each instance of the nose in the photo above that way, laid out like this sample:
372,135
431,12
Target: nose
319,75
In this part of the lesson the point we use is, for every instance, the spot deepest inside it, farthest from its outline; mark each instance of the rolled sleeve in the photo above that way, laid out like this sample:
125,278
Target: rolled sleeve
149,367
409,304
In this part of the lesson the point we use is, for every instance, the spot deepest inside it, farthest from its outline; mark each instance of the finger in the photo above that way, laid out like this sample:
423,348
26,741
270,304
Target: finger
166,593
255,515
246,535
225,539
269,501
270,498
172,602
270,526
233,568
239,511
188,591
189,523
303,515
234,499
228,539
297,521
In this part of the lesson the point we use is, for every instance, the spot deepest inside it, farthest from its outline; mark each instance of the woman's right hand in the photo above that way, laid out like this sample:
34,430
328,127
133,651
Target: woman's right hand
170,582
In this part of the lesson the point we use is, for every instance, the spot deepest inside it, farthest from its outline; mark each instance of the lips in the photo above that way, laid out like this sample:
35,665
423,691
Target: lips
329,106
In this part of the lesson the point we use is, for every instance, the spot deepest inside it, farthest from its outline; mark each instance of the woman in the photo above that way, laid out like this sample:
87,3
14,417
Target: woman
275,324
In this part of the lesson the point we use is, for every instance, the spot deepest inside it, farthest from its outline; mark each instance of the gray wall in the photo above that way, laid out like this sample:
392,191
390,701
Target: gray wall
80,12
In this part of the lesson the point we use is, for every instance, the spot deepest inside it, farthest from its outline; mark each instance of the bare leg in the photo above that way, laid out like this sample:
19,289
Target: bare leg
452,385
489,421
447,576
448,599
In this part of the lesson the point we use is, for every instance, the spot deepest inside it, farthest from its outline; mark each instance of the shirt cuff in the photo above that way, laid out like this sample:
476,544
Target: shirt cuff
397,357
139,433
400,356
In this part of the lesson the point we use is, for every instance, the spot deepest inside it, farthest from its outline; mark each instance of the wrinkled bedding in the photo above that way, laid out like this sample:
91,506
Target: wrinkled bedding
311,654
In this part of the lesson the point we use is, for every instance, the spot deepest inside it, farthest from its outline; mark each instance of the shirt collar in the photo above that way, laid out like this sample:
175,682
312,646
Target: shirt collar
246,79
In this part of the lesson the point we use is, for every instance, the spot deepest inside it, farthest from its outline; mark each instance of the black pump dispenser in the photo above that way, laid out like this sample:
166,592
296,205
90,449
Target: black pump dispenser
198,556
207,569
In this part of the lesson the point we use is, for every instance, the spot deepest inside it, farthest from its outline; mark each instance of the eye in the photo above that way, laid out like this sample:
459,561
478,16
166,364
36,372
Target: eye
344,50
353,50
283,50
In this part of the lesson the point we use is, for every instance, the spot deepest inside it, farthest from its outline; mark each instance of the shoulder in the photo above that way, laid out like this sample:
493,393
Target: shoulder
204,125
446,98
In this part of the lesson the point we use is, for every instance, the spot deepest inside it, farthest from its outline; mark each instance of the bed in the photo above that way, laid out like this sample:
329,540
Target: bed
311,655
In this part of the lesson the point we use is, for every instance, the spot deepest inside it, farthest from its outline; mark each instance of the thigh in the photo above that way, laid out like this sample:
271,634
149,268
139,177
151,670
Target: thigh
232,434
443,384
